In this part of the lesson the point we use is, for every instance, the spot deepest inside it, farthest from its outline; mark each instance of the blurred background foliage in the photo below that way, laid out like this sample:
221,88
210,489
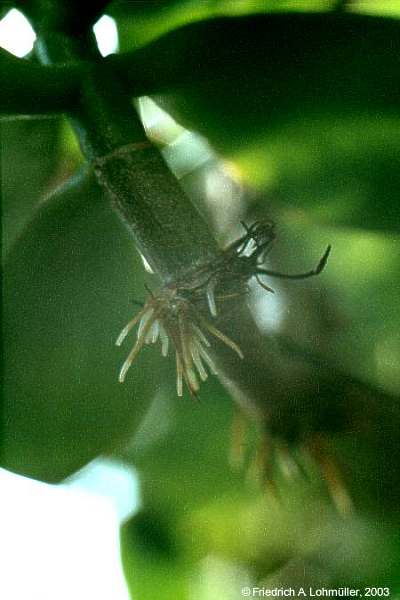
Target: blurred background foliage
208,525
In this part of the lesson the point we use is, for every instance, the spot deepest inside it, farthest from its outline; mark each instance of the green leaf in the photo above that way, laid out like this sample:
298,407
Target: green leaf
234,78
305,104
68,288
332,172
141,22
28,165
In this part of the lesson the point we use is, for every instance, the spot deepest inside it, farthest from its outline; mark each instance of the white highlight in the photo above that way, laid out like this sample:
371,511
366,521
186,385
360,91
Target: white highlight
183,150
110,479
62,541
106,33
268,309
16,33
18,37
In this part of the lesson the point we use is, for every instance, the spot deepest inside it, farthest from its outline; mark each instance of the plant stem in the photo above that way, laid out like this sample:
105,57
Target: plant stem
168,230
31,89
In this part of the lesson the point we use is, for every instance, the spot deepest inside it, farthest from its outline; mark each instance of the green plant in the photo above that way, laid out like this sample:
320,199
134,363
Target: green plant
261,88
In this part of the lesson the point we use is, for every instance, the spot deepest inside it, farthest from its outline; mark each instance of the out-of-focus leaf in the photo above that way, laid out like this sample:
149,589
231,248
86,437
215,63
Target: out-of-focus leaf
330,172
202,508
27,168
182,454
349,314
152,557
141,22
234,78
185,436
68,288
305,103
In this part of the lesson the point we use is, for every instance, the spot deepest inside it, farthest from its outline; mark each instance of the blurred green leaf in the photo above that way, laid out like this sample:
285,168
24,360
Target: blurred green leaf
182,454
186,438
68,288
153,557
349,315
234,78
28,167
140,22
330,172
306,104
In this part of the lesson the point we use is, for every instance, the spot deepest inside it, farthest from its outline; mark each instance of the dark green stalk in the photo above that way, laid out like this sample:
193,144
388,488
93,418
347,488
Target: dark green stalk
144,191
32,89
167,228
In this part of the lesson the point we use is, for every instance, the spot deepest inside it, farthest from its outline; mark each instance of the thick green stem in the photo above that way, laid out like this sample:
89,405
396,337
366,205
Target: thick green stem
31,89
168,230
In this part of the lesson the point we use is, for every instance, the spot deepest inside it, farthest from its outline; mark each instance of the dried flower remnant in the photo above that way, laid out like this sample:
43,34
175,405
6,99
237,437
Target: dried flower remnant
175,314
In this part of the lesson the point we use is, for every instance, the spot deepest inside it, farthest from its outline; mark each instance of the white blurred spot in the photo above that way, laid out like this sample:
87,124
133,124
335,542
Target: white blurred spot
186,153
62,541
106,33
16,34
183,150
110,479
159,125
268,309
